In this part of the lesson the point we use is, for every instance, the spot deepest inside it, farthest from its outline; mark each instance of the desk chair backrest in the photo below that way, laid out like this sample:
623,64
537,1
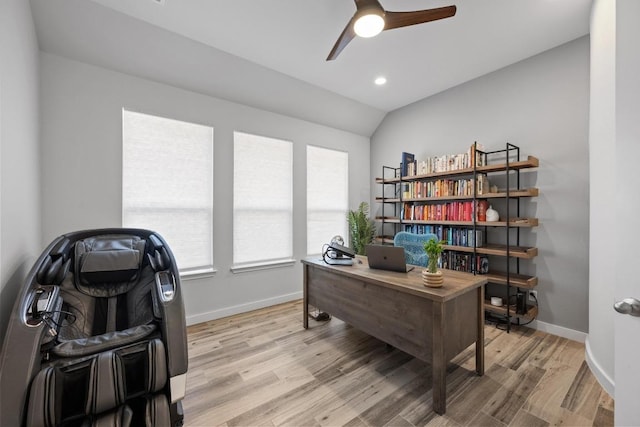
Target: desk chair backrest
413,246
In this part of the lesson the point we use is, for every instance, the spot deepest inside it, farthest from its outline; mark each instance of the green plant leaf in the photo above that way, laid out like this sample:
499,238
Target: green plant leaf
362,230
433,248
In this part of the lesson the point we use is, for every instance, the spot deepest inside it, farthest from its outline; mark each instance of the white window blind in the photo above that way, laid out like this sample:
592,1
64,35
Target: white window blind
262,200
327,196
167,184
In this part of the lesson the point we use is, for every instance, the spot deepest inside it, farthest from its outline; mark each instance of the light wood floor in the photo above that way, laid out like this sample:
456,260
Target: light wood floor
262,368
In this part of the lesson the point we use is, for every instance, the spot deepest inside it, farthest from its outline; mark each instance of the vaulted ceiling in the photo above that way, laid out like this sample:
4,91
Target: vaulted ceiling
272,53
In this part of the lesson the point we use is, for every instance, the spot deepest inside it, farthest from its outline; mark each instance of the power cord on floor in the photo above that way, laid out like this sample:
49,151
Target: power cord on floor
319,316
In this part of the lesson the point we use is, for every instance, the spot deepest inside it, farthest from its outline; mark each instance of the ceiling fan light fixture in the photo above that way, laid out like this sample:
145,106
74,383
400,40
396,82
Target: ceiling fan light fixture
369,25
370,19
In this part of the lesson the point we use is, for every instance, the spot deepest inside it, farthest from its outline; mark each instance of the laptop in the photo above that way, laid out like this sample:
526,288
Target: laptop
385,257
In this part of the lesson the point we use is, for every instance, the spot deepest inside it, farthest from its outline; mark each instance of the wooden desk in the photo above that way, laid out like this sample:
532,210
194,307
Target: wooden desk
432,324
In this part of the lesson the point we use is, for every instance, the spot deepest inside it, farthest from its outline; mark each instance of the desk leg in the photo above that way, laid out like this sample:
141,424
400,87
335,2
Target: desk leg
438,361
305,297
480,339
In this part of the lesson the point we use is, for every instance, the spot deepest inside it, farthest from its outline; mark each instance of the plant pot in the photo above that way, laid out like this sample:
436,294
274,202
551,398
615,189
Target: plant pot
432,280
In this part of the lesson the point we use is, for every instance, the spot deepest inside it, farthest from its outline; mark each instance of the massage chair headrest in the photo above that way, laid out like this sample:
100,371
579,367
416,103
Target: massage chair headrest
109,265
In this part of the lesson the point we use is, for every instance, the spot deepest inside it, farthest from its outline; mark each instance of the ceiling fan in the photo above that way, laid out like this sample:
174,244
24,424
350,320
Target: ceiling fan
370,19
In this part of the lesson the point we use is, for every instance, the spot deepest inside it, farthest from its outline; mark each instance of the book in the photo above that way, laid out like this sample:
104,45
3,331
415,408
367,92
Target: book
407,158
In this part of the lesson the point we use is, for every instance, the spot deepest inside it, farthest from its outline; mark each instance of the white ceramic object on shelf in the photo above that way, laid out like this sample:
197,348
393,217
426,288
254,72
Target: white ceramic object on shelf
492,215
496,301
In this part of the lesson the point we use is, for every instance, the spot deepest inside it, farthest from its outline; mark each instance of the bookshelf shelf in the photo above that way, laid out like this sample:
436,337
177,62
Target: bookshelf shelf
531,162
515,222
411,200
384,240
519,280
497,250
531,313
528,192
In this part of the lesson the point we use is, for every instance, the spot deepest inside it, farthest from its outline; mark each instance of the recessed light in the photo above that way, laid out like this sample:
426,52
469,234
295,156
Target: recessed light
380,80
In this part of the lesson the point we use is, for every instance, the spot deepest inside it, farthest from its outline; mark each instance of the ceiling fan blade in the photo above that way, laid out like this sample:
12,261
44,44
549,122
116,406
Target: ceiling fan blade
347,35
404,19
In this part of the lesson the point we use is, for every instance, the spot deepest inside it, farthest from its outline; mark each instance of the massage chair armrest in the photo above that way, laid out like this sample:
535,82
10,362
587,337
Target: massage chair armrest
169,299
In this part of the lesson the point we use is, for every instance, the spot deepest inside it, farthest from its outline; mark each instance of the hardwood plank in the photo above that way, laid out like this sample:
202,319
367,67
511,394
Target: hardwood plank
603,417
419,410
300,399
463,407
570,353
263,369
506,402
548,345
399,421
357,397
518,355
579,388
525,419
387,410
356,422
549,394
485,420
584,394
442,421
498,349
606,401
501,374
341,388
227,400
564,417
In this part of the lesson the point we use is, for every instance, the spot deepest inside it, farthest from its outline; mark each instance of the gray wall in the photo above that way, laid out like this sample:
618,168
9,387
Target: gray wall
156,54
19,165
81,171
542,105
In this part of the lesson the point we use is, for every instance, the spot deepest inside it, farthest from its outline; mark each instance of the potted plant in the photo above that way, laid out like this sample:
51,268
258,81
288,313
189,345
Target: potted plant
432,276
361,229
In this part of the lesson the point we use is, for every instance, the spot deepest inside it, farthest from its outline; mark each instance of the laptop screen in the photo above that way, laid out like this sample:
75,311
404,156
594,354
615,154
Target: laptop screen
385,257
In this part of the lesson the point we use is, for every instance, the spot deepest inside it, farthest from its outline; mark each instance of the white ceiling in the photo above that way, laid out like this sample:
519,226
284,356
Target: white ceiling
294,37
270,54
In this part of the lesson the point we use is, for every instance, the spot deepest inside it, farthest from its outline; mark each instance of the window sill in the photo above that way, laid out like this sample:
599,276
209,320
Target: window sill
243,268
198,274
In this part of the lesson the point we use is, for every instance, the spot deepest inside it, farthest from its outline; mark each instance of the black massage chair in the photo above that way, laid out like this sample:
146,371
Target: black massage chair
97,336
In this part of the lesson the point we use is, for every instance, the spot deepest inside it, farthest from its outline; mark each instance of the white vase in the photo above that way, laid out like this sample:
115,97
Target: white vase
492,215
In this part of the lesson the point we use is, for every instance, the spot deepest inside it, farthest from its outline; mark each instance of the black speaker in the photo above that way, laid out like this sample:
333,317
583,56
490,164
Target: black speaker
521,303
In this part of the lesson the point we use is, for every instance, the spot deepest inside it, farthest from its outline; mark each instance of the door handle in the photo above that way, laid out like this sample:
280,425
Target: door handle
628,306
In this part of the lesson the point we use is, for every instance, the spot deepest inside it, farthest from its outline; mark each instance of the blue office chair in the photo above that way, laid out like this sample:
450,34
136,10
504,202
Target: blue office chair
413,246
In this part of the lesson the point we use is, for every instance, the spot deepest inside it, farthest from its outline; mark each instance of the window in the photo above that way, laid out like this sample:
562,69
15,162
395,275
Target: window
262,201
327,196
167,185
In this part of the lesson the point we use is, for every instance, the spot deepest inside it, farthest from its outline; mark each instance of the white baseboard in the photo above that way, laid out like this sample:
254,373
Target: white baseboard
605,380
560,331
242,308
